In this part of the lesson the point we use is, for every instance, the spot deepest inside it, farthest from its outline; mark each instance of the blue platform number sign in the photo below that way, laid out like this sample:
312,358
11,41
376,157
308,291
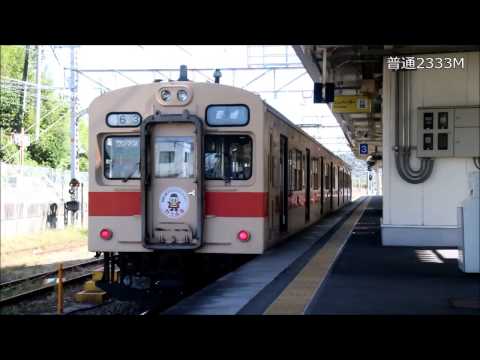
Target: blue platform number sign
363,149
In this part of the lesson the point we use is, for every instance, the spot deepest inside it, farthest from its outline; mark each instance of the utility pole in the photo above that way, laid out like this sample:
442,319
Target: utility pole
38,103
21,115
73,112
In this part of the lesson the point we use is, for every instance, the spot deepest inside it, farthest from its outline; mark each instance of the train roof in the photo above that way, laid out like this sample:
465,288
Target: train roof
287,121
268,107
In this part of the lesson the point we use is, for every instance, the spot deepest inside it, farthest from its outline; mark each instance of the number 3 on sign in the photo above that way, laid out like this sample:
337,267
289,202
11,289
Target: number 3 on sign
363,149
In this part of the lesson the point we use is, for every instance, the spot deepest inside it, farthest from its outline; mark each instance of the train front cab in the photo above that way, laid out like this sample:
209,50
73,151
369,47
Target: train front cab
201,183
207,169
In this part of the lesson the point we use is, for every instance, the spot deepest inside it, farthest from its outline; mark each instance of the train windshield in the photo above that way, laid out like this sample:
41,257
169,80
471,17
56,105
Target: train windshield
174,157
228,157
122,157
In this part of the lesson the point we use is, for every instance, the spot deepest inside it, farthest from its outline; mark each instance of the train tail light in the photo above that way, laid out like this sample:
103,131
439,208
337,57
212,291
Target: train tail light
243,235
106,234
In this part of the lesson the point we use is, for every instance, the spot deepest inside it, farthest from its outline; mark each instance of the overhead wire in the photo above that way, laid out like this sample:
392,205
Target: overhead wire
55,55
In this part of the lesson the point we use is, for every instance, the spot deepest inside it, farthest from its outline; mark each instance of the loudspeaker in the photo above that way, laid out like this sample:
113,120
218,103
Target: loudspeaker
317,93
329,92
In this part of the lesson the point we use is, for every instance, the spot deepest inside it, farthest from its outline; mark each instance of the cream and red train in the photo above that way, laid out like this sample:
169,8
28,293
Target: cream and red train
202,168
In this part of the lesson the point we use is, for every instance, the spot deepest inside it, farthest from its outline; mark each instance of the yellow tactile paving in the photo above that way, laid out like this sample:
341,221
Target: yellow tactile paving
298,294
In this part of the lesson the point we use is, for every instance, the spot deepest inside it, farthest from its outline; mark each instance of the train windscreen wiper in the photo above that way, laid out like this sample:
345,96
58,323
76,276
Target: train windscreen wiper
128,177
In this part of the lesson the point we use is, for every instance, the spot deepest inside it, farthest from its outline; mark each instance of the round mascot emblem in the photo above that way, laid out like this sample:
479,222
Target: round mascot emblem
173,202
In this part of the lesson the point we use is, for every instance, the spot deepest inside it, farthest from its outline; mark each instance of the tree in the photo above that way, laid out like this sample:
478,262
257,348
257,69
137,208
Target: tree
83,145
52,148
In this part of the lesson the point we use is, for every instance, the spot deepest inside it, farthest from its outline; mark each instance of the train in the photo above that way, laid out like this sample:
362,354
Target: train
190,169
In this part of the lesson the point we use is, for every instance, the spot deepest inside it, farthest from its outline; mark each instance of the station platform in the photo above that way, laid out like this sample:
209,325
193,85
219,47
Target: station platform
338,266
369,278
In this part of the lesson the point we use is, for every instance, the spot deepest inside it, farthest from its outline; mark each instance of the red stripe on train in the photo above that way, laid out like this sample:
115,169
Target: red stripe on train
236,204
226,204
114,203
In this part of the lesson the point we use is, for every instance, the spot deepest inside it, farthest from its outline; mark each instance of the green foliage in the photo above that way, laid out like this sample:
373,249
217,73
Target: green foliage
53,148
12,59
83,145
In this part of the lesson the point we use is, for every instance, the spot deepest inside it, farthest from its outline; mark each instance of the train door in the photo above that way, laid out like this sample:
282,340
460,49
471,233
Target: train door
339,188
283,183
172,182
307,189
270,184
321,185
332,183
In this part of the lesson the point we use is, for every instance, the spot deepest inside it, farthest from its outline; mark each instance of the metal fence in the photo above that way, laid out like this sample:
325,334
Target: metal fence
27,193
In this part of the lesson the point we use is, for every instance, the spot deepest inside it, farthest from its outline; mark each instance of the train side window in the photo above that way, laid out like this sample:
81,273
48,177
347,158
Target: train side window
121,157
334,179
298,170
339,179
327,176
228,157
304,166
315,174
294,172
290,171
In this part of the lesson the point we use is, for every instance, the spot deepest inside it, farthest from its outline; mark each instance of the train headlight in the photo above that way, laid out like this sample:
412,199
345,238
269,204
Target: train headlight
166,95
243,235
182,95
106,234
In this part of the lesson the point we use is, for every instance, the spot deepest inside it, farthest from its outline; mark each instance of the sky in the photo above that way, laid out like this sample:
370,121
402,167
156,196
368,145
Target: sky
297,105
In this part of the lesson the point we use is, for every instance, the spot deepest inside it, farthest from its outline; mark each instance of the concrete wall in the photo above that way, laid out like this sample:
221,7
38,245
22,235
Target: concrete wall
26,193
426,214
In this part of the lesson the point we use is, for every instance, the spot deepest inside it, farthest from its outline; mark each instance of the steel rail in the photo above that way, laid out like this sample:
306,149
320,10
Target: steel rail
28,294
47,273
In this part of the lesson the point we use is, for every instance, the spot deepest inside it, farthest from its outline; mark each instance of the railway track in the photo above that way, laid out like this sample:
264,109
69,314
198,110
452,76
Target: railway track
159,302
42,288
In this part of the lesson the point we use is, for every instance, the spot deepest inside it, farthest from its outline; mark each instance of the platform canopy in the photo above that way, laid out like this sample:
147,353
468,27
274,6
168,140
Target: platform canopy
356,72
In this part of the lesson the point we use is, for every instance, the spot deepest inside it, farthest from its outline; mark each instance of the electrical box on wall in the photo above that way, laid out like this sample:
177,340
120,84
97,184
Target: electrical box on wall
448,131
